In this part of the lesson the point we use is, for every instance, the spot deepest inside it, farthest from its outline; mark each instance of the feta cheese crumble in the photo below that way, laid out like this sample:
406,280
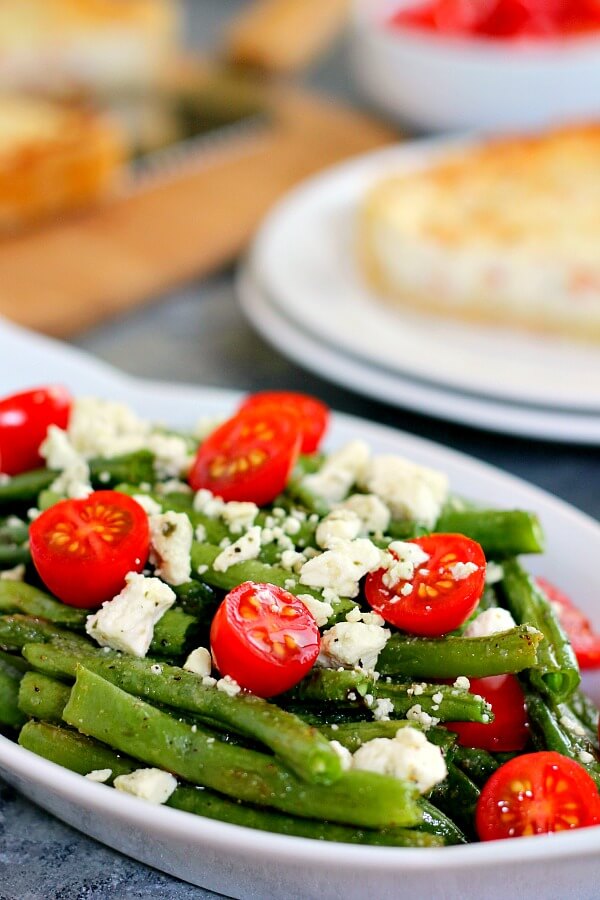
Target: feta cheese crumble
490,621
401,562
61,455
408,756
228,685
101,776
374,515
339,525
171,536
127,622
246,547
15,574
318,608
462,570
148,504
462,683
340,471
199,662
343,753
409,490
352,645
152,785
239,516
383,709
341,567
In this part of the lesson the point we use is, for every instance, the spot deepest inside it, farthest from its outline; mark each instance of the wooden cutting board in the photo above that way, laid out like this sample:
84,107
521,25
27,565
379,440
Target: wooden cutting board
68,276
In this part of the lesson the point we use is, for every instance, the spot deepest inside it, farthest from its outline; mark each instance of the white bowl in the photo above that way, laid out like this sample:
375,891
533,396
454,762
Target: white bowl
438,83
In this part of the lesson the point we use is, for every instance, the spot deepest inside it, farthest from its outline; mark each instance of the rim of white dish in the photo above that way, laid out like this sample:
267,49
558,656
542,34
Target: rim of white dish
372,14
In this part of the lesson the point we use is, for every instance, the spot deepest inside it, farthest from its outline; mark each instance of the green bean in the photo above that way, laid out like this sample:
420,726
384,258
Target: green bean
10,714
24,488
353,735
562,733
81,754
477,764
457,796
16,664
449,657
445,703
14,556
585,709
18,597
18,630
13,531
175,634
501,533
41,697
101,710
298,745
74,751
436,823
557,672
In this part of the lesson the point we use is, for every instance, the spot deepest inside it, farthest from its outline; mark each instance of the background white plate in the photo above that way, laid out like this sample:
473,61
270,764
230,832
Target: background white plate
305,256
249,864
327,362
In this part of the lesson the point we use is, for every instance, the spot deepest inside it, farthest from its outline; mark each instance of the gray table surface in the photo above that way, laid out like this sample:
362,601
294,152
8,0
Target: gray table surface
198,335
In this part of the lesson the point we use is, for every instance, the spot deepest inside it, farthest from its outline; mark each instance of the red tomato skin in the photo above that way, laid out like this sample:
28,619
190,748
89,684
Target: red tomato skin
509,730
579,630
88,579
261,483
24,422
536,807
313,413
256,667
428,617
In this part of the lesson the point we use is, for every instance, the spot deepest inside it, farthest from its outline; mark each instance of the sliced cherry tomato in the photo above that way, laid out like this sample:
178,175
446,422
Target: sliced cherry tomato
440,596
24,421
537,793
264,638
583,638
249,457
314,415
509,731
83,549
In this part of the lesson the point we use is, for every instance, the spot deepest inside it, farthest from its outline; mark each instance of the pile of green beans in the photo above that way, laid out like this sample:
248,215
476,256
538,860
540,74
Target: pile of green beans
271,764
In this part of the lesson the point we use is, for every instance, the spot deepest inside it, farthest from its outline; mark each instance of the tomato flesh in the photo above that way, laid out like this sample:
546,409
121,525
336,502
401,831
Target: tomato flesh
249,457
264,638
436,599
314,415
83,549
537,793
509,730
579,630
24,422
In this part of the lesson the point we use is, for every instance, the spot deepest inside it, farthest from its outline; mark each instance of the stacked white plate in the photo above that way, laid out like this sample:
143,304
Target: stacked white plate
302,289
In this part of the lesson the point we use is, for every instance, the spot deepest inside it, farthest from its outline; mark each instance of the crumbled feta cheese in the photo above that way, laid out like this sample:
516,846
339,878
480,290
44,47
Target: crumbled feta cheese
208,681
340,471
105,428
408,756
371,510
320,610
438,697
202,569
171,455
462,683
572,725
370,618
99,775
352,644
172,486
342,567
171,537
384,708
228,686
205,502
148,504
402,561
490,621
152,785
493,573
585,757
15,574
343,753
292,561
246,547
411,491
461,570
59,453
417,714
291,525
339,525
33,512
127,622
199,662
239,516
406,589
200,533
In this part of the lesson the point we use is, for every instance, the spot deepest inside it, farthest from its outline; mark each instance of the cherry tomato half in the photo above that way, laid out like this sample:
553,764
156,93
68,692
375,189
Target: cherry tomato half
509,730
24,421
537,793
583,638
264,638
440,596
314,415
249,457
83,549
